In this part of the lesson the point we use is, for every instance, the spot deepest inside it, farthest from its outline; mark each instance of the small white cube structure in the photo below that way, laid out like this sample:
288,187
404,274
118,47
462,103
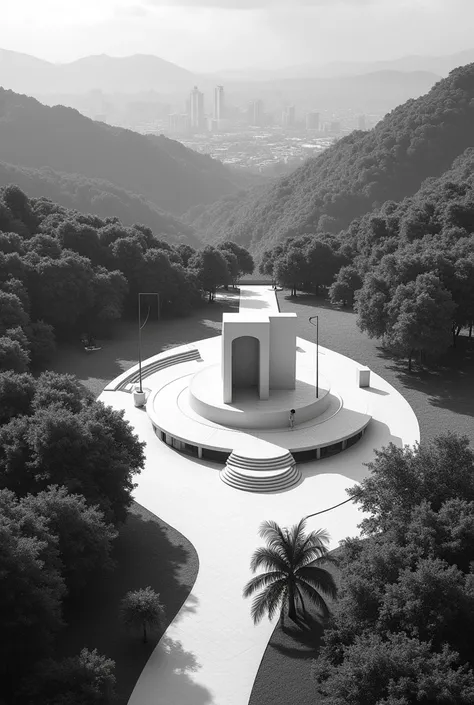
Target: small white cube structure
258,350
363,377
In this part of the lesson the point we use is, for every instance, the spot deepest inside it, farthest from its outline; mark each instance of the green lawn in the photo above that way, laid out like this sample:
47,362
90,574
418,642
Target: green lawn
120,349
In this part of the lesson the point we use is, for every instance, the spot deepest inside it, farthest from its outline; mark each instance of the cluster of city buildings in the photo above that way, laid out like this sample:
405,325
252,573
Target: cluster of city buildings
226,118
268,139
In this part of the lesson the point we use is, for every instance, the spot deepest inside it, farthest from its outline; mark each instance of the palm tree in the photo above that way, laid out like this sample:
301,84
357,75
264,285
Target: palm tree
292,560
142,609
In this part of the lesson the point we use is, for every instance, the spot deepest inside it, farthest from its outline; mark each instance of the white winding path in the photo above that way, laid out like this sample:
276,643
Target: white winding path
211,652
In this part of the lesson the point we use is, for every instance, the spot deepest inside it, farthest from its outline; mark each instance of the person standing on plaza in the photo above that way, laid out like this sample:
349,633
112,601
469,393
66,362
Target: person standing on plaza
292,419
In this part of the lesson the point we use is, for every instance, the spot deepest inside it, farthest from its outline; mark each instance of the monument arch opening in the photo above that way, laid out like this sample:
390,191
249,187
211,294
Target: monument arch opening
245,362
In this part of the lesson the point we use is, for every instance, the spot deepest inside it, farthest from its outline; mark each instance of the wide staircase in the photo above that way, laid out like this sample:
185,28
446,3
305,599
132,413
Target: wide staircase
273,474
127,384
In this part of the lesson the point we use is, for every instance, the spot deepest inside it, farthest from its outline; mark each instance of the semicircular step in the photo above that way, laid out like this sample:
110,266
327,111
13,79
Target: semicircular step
261,474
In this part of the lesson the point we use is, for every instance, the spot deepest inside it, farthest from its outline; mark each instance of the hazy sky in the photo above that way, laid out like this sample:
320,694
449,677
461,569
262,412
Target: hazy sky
212,35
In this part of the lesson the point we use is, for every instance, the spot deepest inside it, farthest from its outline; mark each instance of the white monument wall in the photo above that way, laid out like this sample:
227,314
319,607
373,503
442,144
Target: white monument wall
282,350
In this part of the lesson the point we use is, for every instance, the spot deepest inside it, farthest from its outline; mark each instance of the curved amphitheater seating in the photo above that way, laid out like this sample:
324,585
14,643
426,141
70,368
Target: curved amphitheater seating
127,383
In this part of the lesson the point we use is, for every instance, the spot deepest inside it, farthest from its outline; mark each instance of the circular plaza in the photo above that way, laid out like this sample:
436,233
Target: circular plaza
216,467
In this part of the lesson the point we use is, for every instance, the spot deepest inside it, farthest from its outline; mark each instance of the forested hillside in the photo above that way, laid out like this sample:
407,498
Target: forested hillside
173,177
98,197
408,267
417,140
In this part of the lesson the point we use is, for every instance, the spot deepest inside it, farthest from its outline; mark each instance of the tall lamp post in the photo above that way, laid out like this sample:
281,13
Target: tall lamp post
140,328
311,318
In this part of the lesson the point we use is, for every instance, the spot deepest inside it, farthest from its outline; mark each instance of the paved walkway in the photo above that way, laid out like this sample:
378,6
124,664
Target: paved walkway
257,298
211,652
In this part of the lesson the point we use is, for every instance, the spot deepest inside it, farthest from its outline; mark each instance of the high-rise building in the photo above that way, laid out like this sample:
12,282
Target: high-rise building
219,104
288,117
255,113
335,127
312,121
362,123
196,110
179,122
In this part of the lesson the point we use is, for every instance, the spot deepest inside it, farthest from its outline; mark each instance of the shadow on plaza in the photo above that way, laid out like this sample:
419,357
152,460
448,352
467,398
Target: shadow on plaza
169,677
251,301
350,462
189,607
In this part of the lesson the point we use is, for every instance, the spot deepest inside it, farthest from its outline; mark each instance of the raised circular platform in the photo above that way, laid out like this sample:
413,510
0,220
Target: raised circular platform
247,410
174,420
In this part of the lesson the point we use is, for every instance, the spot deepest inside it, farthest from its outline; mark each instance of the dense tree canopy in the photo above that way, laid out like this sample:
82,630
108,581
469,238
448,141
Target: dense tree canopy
401,478
402,628
63,273
408,267
84,539
307,262
67,465
92,452
86,679
32,586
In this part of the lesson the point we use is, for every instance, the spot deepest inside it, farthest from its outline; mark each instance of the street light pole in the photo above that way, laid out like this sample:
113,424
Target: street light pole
140,327
311,318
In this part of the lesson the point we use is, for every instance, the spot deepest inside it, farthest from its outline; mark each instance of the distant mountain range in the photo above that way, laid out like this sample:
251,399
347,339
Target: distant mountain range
440,65
140,73
132,74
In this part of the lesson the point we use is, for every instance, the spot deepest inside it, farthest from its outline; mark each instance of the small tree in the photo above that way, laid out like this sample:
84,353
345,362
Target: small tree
347,282
421,314
142,609
211,268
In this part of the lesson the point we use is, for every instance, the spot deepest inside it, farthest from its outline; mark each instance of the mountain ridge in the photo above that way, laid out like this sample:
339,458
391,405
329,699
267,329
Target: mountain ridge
97,197
127,74
418,139
165,172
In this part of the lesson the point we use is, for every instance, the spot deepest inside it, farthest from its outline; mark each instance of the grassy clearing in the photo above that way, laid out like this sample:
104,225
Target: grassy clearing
120,351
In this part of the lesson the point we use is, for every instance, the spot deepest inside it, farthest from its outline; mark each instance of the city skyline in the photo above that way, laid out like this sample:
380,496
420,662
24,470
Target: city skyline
316,31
